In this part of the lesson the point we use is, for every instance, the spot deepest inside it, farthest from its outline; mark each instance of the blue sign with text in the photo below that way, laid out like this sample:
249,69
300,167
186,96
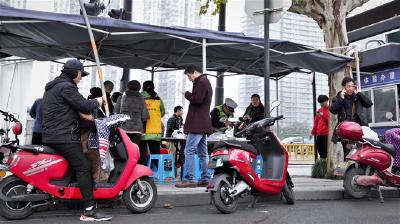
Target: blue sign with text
391,76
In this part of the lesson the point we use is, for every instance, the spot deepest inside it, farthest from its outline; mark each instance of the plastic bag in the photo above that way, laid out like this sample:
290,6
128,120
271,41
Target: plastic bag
107,165
178,134
369,133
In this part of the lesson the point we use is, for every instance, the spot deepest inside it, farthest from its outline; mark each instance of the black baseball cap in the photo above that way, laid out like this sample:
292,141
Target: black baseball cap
74,65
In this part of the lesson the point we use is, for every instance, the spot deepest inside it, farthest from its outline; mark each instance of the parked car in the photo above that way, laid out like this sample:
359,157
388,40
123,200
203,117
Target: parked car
297,140
293,140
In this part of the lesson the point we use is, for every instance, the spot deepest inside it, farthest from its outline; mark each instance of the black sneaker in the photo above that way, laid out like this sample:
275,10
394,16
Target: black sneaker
92,215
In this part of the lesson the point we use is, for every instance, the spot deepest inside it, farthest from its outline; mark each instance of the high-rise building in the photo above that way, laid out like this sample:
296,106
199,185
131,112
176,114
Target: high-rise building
294,90
71,7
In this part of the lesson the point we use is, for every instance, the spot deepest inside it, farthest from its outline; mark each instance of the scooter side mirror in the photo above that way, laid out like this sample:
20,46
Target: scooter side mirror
389,116
274,105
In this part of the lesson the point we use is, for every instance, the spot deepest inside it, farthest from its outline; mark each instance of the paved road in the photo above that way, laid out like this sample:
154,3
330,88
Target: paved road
304,212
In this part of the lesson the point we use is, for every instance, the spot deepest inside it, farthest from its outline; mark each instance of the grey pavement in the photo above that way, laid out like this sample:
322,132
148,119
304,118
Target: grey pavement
306,189
303,170
303,212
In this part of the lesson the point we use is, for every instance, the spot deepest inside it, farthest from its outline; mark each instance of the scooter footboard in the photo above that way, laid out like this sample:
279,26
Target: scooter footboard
138,172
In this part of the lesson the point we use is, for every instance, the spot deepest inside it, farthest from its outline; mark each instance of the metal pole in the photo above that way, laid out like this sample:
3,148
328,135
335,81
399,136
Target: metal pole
358,69
314,95
277,109
152,74
204,46
219,89
126,71
266,58
96,57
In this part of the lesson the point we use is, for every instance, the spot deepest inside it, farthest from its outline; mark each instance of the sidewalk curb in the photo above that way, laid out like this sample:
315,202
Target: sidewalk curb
196,199
199,197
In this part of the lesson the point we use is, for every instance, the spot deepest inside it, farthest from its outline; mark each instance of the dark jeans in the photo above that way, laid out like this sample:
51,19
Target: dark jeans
345,149
322,146
73,153
37,138
154,148
136,138
180,153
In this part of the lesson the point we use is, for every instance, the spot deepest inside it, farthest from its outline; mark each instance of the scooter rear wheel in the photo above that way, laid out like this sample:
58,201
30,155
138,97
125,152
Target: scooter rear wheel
13,186
221,199
350,185
136,200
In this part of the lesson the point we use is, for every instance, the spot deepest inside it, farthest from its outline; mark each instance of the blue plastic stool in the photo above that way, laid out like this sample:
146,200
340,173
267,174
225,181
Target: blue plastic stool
161,173
258,165
197,174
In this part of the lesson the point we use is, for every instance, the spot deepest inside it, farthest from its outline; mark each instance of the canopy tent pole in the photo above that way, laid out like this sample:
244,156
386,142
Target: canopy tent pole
314,98
152,74
204,46
96,57
358,69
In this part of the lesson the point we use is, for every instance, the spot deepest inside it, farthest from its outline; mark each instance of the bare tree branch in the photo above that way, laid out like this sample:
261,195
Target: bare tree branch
314,9
351,5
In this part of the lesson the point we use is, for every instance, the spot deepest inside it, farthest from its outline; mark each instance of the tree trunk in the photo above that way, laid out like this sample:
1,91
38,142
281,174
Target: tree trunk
335,36
331,17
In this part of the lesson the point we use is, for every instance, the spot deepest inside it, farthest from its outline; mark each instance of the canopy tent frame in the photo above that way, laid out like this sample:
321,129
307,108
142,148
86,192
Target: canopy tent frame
229,70
203,44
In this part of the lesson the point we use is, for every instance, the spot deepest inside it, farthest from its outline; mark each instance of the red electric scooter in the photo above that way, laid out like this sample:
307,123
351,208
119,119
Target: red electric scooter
369,162
40,177
233,163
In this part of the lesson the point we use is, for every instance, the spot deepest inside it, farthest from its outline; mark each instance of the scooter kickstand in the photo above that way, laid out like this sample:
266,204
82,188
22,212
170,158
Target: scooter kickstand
370,195
380,193
253,202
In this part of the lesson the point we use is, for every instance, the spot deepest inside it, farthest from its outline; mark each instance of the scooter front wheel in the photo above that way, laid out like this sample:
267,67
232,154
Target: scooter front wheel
141,196
350,185
221,198
13,186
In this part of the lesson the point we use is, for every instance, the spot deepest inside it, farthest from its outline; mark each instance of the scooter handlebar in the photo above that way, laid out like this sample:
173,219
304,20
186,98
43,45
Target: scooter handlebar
8,116
269,121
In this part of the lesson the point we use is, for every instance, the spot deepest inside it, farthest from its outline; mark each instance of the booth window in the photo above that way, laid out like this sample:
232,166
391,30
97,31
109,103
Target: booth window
385,101
368,111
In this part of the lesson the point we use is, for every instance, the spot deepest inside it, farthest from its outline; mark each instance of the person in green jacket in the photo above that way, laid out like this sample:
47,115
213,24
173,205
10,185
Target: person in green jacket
153,127
220,115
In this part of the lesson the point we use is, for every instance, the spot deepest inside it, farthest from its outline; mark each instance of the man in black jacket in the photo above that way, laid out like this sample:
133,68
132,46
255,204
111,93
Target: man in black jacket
108,87
175,122
63,106
349,105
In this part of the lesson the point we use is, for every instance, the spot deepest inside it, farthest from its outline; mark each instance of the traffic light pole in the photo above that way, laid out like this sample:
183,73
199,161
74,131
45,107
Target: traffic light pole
219,89
126,71
266,58
96,57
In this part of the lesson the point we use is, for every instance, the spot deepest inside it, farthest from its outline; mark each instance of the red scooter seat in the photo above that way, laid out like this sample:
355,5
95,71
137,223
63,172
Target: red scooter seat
389,148
36,149
236,144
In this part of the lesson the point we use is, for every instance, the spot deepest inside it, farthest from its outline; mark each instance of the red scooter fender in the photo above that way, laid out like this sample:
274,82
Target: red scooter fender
213,185
138,172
